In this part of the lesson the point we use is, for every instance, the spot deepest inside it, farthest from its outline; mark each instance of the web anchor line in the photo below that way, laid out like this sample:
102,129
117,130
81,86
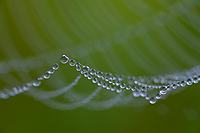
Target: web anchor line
140,86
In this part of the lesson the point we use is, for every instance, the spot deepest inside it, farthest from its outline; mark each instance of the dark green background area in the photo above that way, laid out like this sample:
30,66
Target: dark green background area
35,28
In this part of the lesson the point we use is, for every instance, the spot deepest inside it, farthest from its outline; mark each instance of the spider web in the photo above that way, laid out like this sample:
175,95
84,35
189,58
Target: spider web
140,39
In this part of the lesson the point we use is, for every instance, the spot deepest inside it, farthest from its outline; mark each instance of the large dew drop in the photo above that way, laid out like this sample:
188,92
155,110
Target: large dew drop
72,62
47,75
55,66
152,100
64,59
36,82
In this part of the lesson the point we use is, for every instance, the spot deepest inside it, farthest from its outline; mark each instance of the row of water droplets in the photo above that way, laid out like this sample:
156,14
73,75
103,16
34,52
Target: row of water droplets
6,93
141,84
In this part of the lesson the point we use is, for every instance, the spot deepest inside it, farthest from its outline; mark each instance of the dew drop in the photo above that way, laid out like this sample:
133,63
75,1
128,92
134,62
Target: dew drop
178,83
117,82
136,93
55,66
143,92
94,80
128,87
85,69
122,85
99,74
121,77
112,88
72,62
99,83
189,81
115,77
108,87
36,82
47,75
64,59
78,68
118,90
133,88
5,94
183,83
147,97
152,100
174,86
86,75
163,90
25,87
92,71
158,96
20,89
195,79
15,90
169,88
51,71
89,77
104,85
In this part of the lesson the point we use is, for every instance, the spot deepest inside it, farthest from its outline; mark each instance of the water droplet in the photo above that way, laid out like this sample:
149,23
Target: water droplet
85,69
178,83
118,90
89,77
55,66
94,80
20,89
143,92
128,87
99,83
78,67
112,88
189,81
47,75
78,64
99,74
130,80
133,88
183,83
152,100
92,71
41,78
26,87
169,88
121,77
108,87
64,59
15,90
195,79
5,94
115,77
104,85
72,62
122,85
11,93
174,86
36,82
136,93
86,75
117,82
163,90
158,96
147,97
51,71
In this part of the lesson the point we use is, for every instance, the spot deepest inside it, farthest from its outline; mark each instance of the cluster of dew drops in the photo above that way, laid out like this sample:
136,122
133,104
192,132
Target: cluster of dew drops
114,81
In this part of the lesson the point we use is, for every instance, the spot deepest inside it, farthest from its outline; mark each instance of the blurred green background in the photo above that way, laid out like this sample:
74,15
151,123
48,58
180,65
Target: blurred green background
118,36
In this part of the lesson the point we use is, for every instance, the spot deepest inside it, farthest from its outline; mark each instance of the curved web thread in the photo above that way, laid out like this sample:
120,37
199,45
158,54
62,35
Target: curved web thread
116,62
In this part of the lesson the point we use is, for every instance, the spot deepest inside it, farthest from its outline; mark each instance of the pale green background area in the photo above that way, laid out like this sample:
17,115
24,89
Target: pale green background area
39,27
